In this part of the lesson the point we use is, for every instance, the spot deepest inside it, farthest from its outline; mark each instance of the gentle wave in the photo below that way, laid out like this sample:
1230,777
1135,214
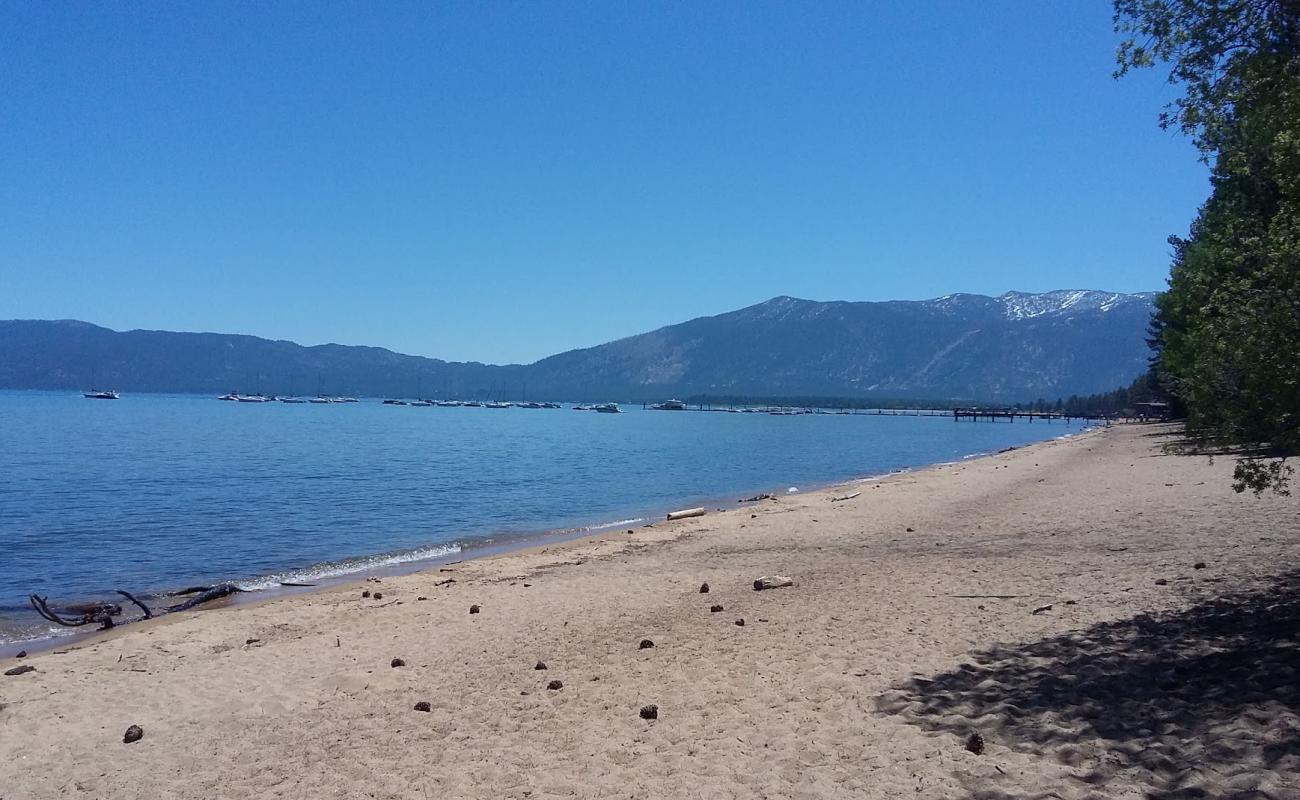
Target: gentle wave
337,569
618,523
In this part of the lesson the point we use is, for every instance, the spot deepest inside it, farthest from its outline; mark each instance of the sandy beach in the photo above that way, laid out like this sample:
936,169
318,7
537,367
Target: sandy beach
1110,620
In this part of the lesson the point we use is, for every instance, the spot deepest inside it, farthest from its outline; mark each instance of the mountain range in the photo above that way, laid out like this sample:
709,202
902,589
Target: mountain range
1017,346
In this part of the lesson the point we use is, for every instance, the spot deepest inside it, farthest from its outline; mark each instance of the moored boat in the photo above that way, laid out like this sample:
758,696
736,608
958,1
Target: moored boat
670,405
101,395
608,408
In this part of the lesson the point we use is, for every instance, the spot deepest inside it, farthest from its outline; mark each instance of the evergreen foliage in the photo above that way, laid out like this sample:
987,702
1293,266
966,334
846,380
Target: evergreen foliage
1227,331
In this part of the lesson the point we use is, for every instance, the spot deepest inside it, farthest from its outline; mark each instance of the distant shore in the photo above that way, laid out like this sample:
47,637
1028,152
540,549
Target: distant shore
1032,597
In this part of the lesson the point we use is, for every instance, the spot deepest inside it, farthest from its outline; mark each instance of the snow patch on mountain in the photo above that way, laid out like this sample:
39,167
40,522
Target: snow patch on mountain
1023,305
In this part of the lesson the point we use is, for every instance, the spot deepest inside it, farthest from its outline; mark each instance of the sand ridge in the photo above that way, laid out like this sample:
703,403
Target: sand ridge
862,680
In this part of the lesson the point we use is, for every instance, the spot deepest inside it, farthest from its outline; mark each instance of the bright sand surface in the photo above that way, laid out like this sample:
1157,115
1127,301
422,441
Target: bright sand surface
864,679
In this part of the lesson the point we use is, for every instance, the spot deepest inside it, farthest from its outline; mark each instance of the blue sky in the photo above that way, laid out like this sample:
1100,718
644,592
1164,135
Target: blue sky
501,181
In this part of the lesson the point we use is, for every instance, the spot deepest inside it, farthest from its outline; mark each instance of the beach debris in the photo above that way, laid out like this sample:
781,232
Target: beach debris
753,516
1042,609
772,582
845,497
715,609
1199,565
20,670
202,594
792,490
911,530
758,497
86,613
396,662
296,585
21,654
540,665
1161,582
423,705
372,579
378,595
975,743
443,583
985,596
338,642
704,588
646,644
740,623
555,686
252,641
421,597
685,513
650,712
473,609
365,594
630,531
133,734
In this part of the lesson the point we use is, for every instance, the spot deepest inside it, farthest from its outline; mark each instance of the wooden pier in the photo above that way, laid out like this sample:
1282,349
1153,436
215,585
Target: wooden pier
1011,415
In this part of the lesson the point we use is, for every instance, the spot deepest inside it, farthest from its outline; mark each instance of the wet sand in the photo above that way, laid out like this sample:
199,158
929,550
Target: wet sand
1047,599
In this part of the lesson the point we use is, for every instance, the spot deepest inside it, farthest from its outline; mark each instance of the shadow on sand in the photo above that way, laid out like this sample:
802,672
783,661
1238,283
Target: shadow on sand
1195,704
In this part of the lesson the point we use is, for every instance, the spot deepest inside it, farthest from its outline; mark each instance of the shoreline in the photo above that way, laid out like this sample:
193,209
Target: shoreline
485,547
1060,599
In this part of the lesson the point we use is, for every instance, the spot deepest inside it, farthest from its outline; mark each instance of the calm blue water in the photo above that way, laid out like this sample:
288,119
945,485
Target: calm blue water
153,492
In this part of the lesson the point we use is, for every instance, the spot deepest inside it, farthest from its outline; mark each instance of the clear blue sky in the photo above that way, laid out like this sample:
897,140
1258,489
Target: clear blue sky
501,181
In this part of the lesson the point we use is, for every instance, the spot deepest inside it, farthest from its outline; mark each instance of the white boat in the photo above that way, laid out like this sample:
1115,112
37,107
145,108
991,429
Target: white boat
292,400
448,403
252,398
344,400
608,408
670,405
496,404
422,403
231,396
396,403
98,395
581,407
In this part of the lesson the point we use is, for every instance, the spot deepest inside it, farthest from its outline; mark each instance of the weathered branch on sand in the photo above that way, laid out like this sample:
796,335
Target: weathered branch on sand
102,614
147,613
205,595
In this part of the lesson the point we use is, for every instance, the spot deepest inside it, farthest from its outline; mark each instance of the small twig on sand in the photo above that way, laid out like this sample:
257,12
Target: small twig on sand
987,596
845,497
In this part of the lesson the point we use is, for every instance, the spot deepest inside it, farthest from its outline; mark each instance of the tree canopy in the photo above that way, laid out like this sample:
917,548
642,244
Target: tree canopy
1227,331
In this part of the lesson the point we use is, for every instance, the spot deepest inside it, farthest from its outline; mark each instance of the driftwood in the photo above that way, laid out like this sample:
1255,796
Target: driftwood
205,595
77,615
686,513
772,582
845,497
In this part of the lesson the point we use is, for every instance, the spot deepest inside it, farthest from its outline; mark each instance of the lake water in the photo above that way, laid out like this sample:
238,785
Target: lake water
153,492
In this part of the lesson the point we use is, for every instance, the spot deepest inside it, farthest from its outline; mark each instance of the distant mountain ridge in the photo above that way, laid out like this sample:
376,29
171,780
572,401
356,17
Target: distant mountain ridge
1017,346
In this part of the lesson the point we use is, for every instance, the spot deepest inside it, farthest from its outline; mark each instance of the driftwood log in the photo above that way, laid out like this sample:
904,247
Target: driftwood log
77,615
772,582
686,513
